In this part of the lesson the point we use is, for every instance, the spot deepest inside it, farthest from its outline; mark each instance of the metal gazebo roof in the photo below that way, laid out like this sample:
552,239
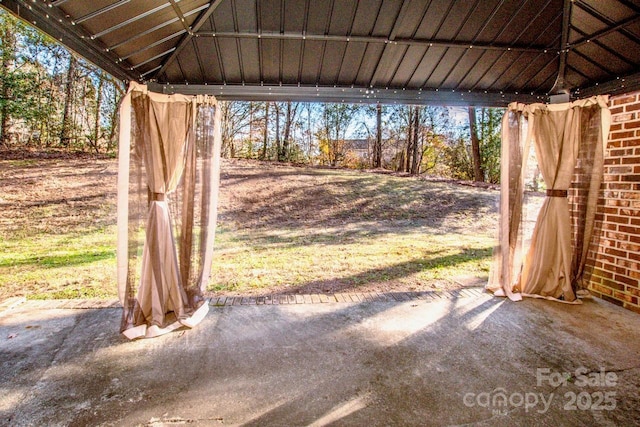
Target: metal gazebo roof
451,52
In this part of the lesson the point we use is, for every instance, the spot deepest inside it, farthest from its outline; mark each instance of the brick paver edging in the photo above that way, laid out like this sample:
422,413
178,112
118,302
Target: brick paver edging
234,300
356,297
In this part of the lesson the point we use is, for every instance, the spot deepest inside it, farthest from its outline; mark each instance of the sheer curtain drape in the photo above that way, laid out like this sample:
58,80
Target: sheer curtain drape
167,197
569,141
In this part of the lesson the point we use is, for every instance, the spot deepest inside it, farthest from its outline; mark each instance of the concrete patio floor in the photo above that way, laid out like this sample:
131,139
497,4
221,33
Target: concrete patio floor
463,359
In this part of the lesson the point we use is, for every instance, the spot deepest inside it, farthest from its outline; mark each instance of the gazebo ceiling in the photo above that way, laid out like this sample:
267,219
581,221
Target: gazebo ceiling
472,52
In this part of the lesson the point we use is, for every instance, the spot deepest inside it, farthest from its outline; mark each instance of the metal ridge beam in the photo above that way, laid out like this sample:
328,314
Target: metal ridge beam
356,95
378,39
47,20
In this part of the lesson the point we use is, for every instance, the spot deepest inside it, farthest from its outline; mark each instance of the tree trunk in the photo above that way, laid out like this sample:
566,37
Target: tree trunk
409,148
8,46
309,132
277,131
478,174
96,128
377,148
287,131
415,164
67,119
265,138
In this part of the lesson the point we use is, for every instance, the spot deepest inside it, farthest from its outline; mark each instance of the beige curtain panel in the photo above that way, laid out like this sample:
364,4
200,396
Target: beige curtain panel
569,141
167,198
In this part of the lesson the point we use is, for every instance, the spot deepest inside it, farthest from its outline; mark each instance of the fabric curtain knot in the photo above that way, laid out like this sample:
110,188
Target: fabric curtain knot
556,193
157,197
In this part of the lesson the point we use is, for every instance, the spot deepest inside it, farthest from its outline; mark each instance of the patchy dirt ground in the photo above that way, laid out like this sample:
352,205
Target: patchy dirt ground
348,231
55,193
282,229
259,195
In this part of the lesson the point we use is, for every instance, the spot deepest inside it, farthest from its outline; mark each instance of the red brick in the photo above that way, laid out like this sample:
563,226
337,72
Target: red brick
626,280
631,143
618,152
629,247
617,236
617,219
617,202
622,135
625,297
623,99
612,300
612,284
620,170
632,107
632,308
614,144
615,252
616,110
632,124
618,186
629,212
602,289
630,160
629,229
607,259
632,196
602,273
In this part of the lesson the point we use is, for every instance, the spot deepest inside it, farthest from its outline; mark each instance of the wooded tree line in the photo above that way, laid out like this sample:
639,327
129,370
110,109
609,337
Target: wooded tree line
50,99
405,138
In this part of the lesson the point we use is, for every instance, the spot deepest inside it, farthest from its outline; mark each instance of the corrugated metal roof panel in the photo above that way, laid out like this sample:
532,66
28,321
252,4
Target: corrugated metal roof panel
509,46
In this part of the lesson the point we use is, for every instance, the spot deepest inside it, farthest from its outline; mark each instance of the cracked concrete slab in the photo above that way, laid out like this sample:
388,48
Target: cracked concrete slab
465,360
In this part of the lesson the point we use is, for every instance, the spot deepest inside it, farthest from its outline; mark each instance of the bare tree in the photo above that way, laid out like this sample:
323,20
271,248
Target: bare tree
265,136
377,146
478,173
417,149
66,132
292,110
234,118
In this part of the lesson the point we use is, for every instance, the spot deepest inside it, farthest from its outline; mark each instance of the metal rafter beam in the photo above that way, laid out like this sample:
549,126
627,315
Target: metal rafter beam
179,14
606,31
606,20
151,30
190,34
100,11
348,95
130,21
616,86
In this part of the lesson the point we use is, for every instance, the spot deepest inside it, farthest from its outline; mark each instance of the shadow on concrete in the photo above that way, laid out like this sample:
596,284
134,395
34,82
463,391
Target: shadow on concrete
397,363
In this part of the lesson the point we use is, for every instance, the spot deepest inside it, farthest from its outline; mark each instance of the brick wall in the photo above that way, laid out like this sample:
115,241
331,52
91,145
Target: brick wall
613,266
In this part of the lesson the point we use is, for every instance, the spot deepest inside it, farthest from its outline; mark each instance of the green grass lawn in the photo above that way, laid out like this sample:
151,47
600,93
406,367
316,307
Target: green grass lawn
340,261
281,229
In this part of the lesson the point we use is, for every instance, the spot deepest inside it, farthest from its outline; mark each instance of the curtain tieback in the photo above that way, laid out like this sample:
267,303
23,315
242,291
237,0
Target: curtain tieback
556,193
157,197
